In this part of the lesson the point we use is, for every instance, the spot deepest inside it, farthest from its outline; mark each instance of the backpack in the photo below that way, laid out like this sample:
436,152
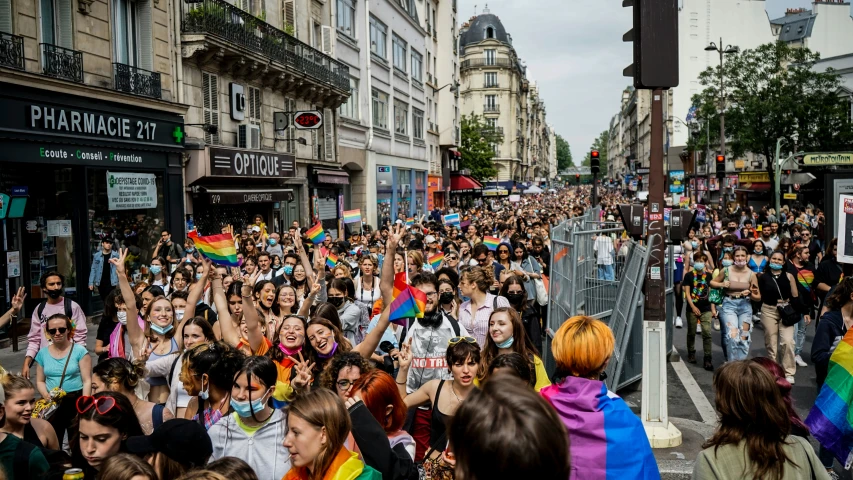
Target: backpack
67,303
58,461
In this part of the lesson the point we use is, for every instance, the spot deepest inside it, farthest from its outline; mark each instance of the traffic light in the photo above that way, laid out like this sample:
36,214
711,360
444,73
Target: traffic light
721,166
578,178
594,162
655,37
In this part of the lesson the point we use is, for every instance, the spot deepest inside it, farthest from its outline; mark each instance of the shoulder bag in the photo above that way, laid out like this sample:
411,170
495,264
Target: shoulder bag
47,407
787,315
715,296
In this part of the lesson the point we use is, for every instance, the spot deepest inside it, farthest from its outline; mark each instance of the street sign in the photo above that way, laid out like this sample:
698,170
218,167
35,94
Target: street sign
20,191
308,120
797,178
789,196
820,159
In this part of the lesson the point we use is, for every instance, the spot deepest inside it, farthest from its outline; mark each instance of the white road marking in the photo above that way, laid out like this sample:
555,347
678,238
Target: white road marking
706,410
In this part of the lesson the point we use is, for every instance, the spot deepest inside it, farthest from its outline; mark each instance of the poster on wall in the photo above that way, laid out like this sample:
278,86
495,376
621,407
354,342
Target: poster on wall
676,181
131,191
13,264
845,228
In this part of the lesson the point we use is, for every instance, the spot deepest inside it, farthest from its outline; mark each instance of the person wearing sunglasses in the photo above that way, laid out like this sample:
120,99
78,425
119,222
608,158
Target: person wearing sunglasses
444,397
64,371
504,254
452,260
105,421
254,430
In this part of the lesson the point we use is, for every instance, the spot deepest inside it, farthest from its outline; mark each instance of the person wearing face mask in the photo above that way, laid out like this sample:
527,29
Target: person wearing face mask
740,285
114,317
448,299
696,287
514,291
508,335
254,431
778,286
158,274
173,252
340,293
52,284
274,245
192,256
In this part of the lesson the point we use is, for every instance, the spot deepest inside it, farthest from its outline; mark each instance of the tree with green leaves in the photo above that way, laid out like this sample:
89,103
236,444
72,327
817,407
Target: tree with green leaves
477,147
773,92
564,154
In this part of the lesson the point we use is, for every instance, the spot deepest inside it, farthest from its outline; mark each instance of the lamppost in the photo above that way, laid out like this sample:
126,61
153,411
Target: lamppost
722,51
693,128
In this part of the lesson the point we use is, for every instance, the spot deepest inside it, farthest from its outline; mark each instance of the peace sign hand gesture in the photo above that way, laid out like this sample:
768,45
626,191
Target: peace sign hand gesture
405,356
119,262
303,372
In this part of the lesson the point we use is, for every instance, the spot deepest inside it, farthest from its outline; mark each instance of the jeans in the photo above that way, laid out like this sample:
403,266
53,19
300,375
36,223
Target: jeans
605,272
737,315
800,336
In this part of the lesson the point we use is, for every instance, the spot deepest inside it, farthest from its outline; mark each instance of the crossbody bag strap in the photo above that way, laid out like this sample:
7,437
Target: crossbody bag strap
67,359
811,466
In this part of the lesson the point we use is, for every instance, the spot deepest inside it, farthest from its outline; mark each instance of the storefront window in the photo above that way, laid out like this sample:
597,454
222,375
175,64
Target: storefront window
130,208
404,193
384,181
420,193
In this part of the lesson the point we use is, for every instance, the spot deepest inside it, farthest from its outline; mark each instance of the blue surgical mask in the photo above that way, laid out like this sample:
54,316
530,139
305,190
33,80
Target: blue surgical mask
728,263
776,266
156,269
204,394
288,269
162,330
506,344
190,249
694,243
758,251
728,249
245,409
198,276
698,266
272,242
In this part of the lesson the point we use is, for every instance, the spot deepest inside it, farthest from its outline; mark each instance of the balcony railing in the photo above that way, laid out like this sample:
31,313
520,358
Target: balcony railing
137,81
11,51
242,29
487,62
62,62
490,84
491,108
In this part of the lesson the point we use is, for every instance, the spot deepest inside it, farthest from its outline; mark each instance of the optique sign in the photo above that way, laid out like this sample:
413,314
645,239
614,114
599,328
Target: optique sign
225,162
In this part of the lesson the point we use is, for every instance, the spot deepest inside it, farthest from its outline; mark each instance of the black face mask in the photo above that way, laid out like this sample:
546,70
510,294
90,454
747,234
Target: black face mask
54,294
336,301
446,298
515,298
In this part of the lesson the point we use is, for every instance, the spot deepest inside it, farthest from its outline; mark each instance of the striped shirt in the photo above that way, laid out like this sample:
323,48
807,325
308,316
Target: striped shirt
478,325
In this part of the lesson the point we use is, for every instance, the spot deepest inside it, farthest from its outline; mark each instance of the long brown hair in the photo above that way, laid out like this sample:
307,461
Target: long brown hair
521,345
323,409
763,425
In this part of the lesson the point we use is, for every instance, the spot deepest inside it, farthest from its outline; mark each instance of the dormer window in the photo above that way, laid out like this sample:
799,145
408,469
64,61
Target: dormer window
490,32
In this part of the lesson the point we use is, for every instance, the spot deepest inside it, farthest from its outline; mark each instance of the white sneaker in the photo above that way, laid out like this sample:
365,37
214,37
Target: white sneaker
678,323
800,361
790,380
717,324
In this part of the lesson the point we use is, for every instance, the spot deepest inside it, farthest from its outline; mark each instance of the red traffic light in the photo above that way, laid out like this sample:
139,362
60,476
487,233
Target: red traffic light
307,120
593,154
721,158
577,175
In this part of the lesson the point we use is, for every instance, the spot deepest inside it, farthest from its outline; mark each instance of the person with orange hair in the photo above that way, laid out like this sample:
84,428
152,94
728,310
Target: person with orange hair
607,440
378,413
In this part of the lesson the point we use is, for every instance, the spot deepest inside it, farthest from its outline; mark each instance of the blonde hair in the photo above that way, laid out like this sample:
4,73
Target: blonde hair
482,277
343,266
416,257
13,384
582,345
323,409
201,475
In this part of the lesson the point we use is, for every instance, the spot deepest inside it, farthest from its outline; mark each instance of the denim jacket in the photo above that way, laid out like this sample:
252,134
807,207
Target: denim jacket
98,268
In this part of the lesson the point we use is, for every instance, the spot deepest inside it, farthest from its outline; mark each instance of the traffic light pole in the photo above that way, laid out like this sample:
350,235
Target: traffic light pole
594,189
653,410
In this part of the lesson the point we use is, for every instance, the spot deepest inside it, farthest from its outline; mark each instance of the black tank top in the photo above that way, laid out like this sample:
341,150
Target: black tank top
30,436
438,423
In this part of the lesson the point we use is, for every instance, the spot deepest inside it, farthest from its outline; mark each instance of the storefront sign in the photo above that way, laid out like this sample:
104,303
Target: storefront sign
20,191
131,191
13,264
77,155
226,162
789,196
753,177
845,228
236,197
828,159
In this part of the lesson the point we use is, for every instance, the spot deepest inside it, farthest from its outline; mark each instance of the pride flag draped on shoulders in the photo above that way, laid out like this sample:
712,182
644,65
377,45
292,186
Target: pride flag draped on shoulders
830,420
606,439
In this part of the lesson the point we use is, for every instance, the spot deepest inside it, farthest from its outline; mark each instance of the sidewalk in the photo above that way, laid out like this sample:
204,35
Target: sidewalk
13,362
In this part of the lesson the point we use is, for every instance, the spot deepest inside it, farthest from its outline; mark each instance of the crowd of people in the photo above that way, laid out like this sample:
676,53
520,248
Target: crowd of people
291,366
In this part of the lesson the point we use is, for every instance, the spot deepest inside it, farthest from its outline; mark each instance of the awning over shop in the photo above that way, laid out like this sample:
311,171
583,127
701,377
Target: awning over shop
234,196
754,187
337,177
464,184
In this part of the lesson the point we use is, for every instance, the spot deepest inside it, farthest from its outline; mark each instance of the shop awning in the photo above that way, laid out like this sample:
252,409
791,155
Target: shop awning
754,187
336,177
234,196
464,184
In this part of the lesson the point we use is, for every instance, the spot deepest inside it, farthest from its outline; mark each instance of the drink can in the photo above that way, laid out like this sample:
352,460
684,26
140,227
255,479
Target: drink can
73,474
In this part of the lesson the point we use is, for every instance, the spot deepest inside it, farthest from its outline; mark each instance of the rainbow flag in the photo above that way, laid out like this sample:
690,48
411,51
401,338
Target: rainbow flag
219,249
436,260
331,260
352,216
410,221
316,234
409,303
607,440
831,418
492,242
806,279
400,283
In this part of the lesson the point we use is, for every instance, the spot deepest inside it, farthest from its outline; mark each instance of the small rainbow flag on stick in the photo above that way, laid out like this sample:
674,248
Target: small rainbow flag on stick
331,260
492,242
316,234
352,216
408,302
436,260
219,249
410,221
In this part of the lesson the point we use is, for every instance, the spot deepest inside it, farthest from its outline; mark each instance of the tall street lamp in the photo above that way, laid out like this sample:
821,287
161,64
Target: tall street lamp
722,51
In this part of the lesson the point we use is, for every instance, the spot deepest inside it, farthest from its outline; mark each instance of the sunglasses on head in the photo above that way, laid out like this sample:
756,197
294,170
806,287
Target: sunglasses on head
455,340
54,331
101,404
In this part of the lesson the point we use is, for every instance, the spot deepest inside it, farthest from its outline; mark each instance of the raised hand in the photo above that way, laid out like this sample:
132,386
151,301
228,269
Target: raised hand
303,372
119,262
18,299
315,290
297,241
405,356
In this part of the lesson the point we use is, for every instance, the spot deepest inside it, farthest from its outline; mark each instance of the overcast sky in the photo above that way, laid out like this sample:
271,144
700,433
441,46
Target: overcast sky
574,51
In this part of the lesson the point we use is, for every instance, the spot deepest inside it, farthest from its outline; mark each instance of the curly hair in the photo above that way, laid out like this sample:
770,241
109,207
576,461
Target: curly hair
329,377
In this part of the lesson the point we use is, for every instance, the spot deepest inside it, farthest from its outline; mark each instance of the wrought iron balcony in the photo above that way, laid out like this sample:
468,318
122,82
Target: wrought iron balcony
137,81
487,62
491,108
61,62
238,28
490,84
11,51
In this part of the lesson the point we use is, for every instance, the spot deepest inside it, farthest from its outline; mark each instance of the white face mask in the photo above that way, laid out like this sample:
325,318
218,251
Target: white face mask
122,317
179,314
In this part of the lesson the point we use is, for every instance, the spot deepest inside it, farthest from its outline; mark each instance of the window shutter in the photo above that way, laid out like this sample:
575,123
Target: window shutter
329,134
314,145
146,46
210,92
290,15
65,15
290,146
328,35
6,16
